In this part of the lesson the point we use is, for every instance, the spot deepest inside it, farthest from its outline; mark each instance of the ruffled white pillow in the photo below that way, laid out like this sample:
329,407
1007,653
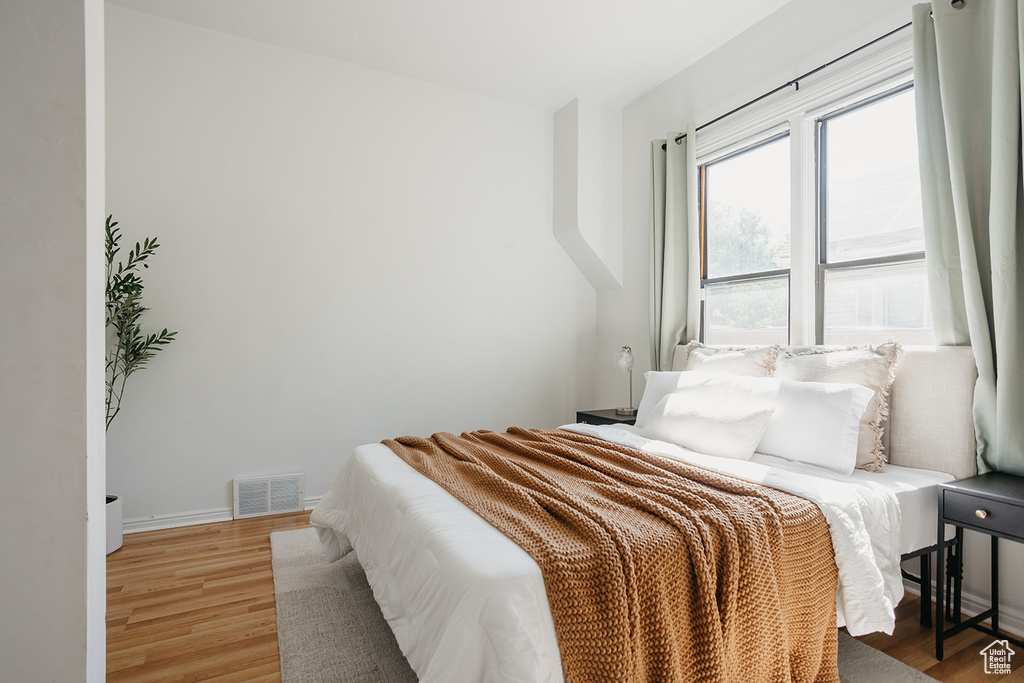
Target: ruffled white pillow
756,361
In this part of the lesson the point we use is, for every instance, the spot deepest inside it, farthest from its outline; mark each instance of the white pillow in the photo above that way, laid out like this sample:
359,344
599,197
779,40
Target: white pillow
871,366
722,430
715,387
817,423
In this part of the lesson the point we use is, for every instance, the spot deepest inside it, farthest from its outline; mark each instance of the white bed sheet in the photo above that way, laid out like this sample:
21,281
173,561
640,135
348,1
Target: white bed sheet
467,604
917,492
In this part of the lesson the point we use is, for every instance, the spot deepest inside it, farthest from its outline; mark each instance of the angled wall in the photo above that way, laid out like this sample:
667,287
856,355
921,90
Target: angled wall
587,212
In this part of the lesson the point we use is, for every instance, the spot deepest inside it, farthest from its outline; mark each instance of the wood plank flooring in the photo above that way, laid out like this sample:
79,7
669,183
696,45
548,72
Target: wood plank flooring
914,645
197,604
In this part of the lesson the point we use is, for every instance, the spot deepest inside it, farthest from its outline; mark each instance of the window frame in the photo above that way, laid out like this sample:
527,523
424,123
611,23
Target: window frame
755,276
878,71
822,265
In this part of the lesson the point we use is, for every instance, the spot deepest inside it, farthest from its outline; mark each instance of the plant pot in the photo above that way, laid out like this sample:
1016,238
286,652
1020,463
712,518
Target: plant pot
114,533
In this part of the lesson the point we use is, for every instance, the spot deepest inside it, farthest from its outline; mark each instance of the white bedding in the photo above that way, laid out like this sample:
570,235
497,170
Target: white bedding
467,604
916,492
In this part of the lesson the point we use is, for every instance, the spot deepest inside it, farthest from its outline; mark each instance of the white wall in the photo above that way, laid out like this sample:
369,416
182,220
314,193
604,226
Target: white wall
52,571
797,38
347,256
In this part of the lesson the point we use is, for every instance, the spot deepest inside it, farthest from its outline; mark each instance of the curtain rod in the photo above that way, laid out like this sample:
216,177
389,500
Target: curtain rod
796,81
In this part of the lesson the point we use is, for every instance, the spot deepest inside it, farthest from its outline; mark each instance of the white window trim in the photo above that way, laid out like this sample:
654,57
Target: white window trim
873,71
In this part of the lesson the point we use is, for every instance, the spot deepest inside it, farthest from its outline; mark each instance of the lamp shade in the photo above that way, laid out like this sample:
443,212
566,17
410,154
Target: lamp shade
623,359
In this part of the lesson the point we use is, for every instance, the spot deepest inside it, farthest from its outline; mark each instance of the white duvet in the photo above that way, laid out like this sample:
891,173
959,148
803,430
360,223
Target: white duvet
467,604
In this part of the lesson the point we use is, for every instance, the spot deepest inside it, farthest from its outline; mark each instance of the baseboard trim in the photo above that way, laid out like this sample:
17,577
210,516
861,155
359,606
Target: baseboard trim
175,520
180,519
1010,620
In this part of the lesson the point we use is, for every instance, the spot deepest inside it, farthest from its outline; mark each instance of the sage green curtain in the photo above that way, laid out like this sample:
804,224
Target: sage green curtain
675,247
967,78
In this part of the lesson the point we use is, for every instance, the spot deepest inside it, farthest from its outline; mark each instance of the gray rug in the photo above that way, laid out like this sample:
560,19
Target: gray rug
330,630
329,627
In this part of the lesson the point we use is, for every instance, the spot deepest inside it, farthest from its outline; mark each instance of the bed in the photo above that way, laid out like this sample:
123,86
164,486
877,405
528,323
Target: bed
467,604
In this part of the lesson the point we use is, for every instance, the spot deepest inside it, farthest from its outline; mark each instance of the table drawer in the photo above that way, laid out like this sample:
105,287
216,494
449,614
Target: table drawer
604,417
1002,518
595,420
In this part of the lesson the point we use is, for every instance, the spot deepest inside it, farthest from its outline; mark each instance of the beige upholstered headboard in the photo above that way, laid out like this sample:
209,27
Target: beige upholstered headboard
931,421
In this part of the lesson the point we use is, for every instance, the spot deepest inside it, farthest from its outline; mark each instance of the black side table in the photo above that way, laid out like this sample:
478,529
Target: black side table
991,504
604,417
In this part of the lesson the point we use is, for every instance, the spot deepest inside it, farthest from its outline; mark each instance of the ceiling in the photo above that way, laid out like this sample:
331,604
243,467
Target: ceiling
538,53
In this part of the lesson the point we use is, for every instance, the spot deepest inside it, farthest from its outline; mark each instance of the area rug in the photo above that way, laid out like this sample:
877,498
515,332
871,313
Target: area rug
330,629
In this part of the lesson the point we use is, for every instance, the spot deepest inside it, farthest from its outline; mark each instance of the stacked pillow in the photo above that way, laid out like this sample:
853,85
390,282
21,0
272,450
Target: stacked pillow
873,367
755,361
820,406
713,413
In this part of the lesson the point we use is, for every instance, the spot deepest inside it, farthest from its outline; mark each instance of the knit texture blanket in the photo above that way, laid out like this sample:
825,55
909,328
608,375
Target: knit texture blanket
655,570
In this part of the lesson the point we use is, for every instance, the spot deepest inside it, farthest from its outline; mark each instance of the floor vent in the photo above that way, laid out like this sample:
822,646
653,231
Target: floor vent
255,496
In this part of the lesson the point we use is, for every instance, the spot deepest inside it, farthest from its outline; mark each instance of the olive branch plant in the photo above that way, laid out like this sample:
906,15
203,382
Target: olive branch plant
128,348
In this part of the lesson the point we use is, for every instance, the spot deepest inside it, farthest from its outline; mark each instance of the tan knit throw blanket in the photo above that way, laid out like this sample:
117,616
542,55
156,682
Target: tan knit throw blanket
655,570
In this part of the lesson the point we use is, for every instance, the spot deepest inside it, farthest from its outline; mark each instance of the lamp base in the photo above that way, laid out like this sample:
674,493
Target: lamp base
625,411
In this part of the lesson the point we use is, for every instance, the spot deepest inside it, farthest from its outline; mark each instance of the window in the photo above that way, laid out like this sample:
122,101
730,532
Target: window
872,283
810,214
746,233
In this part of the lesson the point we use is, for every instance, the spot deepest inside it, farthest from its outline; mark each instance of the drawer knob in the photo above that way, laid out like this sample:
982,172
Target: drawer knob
982,514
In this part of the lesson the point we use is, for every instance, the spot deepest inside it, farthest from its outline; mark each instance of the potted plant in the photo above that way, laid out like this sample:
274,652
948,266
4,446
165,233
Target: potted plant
128,348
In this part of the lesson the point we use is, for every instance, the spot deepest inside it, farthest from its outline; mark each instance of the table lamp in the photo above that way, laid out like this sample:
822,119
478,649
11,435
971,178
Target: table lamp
623,361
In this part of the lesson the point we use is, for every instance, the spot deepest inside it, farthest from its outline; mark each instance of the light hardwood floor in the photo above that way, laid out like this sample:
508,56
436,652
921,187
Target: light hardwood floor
197,604
914,645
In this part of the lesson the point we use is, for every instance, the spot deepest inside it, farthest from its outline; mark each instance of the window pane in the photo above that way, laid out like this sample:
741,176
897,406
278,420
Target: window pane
874,190
747,312
747,212
871,305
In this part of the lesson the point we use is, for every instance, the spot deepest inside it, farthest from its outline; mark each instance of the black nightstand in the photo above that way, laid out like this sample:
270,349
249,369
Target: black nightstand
991,504
604,417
